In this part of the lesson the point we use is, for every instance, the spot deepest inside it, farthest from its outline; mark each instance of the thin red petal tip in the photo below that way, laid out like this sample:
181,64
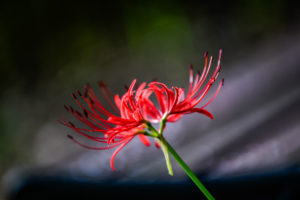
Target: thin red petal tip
113,168
157,145
223,82
220,55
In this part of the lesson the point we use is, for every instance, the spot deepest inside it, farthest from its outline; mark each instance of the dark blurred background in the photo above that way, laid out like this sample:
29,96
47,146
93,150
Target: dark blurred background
49,49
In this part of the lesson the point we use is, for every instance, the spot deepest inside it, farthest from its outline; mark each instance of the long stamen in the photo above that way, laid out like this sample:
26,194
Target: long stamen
202,79
86,112
104,90
94,100
206,89
117,151
90,147
216,93
93,107
191,78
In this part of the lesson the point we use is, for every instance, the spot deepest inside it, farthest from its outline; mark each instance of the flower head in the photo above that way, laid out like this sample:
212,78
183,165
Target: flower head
116,129
173,102
134,112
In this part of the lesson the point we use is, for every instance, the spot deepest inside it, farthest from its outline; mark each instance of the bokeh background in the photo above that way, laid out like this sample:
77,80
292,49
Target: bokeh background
49,49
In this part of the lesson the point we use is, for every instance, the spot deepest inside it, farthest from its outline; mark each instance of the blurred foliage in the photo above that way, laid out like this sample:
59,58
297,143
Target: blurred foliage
49,48
7,126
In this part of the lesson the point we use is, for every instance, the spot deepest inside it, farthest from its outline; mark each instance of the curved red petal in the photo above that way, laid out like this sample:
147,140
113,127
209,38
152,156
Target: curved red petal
116,152
144,140
192,110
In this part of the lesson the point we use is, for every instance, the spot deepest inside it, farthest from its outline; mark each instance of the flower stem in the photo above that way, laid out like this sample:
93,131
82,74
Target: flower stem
165,150
187,170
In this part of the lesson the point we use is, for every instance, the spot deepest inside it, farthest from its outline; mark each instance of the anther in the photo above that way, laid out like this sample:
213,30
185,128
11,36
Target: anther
205,55
70,137
79,93
91,100
72,124
102,84
78,113
71,108
86,89
126,87
66,107
85,113
74,96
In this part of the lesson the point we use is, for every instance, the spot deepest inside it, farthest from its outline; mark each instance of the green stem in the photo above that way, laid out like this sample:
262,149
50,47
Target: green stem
187,170
162,126
165,151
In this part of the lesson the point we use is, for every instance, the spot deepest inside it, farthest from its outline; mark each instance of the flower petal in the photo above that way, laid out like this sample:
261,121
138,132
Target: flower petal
144,140
116,152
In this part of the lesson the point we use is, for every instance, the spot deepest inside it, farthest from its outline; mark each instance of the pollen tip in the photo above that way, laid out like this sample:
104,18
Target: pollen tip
205,55
74,96
198,72
66,107
79,93
191,66
78,113
87,85
71,108
126,87
91,100
223,82
85,113
70,137
86,89
71,124
102,84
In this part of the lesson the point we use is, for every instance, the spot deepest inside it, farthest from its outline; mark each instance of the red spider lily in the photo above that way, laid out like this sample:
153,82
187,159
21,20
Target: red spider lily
134,110
173,103
116,130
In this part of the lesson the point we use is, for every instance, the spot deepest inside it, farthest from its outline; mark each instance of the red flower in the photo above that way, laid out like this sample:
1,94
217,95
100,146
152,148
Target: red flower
135,111
173,103
116,130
